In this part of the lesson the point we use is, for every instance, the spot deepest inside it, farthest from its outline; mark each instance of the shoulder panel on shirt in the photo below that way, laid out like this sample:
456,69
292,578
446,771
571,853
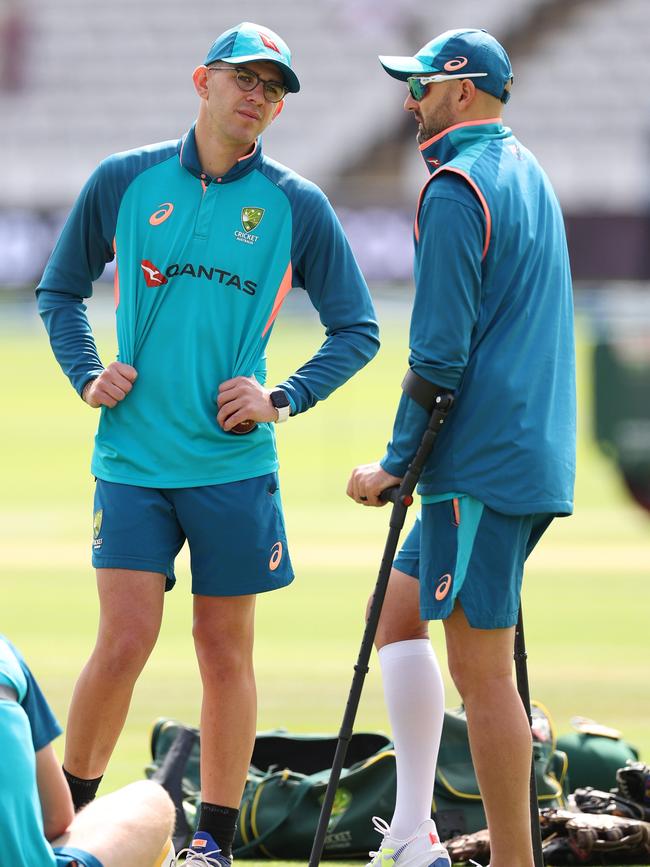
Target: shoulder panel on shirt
86,242
310,207
456,185
116,173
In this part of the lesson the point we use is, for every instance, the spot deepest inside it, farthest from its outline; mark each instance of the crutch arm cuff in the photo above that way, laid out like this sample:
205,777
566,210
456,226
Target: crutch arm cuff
421,390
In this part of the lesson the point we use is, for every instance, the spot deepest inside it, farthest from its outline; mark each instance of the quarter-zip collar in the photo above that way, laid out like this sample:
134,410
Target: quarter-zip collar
447,144
189,159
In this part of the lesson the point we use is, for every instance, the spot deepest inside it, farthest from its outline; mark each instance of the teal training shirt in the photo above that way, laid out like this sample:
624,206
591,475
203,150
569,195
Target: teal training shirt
493,321
22,724
202,268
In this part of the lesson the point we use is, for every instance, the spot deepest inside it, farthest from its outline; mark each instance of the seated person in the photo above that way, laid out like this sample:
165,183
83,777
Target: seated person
128,828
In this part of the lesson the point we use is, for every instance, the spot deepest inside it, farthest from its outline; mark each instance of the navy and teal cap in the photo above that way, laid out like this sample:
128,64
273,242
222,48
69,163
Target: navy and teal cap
247,42
455,52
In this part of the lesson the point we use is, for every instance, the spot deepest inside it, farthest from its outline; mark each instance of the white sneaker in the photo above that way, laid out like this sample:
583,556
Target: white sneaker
203,852
422,849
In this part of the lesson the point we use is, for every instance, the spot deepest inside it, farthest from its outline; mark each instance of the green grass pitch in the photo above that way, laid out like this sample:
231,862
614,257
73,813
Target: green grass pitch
586,591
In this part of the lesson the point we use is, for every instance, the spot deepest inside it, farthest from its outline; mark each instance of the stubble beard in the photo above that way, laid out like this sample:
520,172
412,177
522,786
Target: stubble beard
441,120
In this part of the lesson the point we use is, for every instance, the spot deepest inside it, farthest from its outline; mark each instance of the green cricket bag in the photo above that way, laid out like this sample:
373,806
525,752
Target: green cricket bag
288,777
595,754
285,788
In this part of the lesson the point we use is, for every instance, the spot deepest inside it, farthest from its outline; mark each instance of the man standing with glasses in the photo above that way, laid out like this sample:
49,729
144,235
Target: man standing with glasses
209,236
493,322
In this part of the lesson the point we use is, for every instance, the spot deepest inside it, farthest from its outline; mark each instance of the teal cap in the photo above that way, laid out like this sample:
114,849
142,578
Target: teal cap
456,52
247,42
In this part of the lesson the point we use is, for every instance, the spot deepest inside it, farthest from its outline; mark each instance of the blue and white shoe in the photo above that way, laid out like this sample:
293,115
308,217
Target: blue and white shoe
421,849
203,851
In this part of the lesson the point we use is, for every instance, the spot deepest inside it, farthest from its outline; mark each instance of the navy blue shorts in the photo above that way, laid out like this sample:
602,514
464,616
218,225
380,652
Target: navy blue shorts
68,856
235,533
461,549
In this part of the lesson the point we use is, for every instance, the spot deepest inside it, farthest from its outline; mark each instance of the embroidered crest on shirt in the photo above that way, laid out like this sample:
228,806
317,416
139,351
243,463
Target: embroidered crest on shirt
251,218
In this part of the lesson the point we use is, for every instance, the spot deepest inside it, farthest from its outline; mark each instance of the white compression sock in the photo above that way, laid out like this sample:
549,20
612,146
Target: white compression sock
415,700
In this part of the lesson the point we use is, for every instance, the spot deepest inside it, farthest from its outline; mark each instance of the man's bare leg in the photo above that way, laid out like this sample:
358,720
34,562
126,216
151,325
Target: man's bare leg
223,637
131,605
127,828
480,662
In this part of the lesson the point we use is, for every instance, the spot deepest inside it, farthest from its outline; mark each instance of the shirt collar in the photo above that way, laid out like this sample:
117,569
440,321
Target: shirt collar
444,146
189,159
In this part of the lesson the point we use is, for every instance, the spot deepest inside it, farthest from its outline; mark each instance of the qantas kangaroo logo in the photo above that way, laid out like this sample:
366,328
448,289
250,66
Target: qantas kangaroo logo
152,275
268,42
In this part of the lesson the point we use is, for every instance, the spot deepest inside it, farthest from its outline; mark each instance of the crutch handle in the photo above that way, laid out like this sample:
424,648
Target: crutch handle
392,495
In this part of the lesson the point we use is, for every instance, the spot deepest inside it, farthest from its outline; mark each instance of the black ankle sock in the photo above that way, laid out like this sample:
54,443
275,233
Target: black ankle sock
220,823
82,791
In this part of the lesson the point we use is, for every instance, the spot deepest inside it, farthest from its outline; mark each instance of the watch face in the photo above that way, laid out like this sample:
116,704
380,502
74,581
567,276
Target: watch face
279,398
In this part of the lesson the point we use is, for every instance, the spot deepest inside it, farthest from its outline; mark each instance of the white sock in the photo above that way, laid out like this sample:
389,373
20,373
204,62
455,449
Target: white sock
415,700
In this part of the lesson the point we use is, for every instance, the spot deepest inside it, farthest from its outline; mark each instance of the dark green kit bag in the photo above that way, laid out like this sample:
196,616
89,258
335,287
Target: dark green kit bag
289,773
595,753
285,788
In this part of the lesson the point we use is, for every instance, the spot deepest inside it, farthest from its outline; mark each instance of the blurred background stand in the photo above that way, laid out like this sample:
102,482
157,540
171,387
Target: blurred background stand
622,386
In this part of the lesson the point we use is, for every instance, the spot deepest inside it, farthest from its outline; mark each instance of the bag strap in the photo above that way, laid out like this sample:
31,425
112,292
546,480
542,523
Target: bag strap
301,791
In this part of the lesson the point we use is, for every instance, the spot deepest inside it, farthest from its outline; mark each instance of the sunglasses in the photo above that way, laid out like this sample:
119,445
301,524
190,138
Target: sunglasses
418,85
248,80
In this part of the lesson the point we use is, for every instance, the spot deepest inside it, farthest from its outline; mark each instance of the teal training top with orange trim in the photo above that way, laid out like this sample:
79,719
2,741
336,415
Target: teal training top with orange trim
27,725
492,321
202,267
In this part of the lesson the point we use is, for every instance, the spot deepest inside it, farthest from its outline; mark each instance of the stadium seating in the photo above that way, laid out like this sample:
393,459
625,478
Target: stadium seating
106,77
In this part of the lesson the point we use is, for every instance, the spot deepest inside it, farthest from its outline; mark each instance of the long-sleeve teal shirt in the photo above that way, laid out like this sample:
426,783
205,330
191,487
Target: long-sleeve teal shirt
202,268
493,322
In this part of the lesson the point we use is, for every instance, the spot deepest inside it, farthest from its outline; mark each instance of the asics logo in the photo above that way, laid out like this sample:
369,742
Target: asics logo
152,275
455,64
163,213
443,586
276,556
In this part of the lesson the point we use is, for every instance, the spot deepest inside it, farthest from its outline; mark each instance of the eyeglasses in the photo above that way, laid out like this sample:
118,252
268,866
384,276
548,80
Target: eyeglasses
418,85
247,80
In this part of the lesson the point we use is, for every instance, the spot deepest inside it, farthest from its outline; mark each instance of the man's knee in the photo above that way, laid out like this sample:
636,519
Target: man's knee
124,652
136,820
471,674
394,626
219,654
154,800
400,613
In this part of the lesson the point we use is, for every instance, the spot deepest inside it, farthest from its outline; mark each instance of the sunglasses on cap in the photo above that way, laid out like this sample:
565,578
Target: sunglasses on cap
248,80
418,84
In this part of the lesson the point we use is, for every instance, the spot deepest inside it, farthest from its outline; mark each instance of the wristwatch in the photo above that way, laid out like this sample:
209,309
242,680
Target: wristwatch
280,401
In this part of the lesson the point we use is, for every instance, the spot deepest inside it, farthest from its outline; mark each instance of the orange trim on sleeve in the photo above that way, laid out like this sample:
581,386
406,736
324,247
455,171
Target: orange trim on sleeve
481,198
116,279
283,291
416,227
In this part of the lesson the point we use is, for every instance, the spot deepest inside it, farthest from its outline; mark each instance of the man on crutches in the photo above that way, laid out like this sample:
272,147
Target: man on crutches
493,322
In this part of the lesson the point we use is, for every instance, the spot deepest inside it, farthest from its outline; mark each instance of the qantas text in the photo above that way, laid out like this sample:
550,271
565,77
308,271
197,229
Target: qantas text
212,273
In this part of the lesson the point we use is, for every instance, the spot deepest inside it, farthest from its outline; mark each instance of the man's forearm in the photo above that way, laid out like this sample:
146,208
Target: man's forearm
70,335
342,355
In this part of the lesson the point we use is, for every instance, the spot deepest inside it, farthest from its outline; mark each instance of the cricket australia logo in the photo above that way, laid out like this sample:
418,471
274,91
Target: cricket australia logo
97,528
250,219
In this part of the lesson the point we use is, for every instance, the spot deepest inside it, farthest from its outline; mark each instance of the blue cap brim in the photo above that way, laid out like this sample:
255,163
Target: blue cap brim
402,67
290,78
